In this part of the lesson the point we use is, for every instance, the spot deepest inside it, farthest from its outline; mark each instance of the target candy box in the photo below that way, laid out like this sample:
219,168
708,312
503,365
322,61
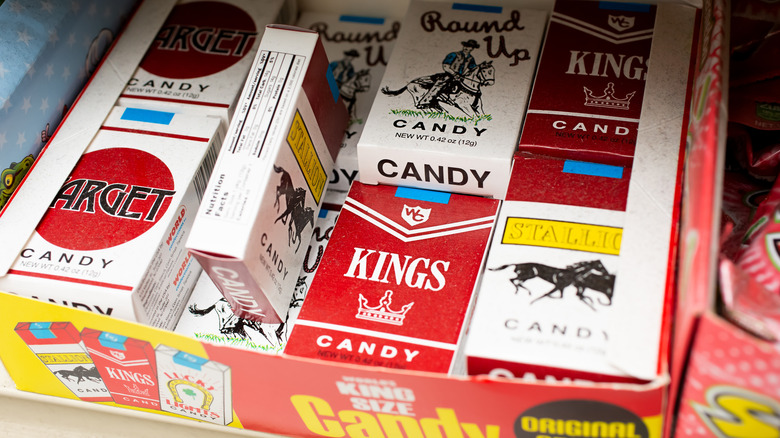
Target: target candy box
269,182
201,55
112,240
398,259
453,98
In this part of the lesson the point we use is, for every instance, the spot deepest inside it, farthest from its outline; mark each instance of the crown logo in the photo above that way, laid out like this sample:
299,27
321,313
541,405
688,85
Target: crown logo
136,390
608,99
382,313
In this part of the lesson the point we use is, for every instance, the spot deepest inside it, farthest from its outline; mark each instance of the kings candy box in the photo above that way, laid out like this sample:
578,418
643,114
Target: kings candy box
127,366
397,280
589,87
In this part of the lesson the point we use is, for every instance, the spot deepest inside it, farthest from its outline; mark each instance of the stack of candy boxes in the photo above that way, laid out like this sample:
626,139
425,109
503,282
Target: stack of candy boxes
456,260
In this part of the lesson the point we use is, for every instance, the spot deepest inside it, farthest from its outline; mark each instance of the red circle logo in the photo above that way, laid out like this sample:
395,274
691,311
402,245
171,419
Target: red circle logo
199,39
112,196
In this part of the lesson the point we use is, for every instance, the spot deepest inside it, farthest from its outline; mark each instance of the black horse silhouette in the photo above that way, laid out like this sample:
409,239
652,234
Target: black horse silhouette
582,275
80,374
295,208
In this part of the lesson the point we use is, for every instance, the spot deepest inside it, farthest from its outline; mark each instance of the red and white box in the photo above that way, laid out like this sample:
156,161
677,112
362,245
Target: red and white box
590,83
546,297
58,345
127,366
194,386
209,317
397,282
626,338
201,56
359,48
269,182
112,241
453,98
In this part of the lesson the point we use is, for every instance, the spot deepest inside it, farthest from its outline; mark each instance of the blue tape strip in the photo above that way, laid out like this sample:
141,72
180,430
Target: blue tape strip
619,6
323,212
111,340
189,360
476,8
334,87
592,169
359,19
148,116
42,330
422,195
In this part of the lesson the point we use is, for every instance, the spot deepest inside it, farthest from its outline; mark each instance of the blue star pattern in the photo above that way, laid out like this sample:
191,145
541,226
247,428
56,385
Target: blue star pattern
47,52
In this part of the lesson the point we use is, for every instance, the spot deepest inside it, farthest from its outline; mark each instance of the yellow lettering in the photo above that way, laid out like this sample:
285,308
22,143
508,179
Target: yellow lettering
399,426
363,424
446,422
310,409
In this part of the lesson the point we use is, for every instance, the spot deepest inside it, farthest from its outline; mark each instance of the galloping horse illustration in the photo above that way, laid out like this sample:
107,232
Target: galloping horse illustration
295,208
462,93
80,374
582,275
234,327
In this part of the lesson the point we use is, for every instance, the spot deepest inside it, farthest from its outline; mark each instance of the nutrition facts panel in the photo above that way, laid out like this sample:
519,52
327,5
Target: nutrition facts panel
258,123
265,101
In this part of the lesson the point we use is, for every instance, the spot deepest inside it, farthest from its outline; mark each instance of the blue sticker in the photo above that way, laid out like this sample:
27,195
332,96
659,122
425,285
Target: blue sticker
619,6
592,169
323,212
476,8
334,87
189,360
359,19
111,340
422,195
42,330
147,116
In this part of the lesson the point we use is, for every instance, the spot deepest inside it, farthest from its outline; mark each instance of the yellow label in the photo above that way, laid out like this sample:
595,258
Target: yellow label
60,358
302,147
565,235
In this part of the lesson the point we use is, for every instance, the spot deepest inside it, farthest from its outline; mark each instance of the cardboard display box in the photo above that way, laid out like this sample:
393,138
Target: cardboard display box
453,130
358,48
270,179
306,397
113,239
45,64
201,56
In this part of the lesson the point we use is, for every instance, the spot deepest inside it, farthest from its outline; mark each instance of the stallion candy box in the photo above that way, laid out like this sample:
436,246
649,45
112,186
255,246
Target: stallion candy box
200,57
268,185
453,98
112,240
358,48
398,260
